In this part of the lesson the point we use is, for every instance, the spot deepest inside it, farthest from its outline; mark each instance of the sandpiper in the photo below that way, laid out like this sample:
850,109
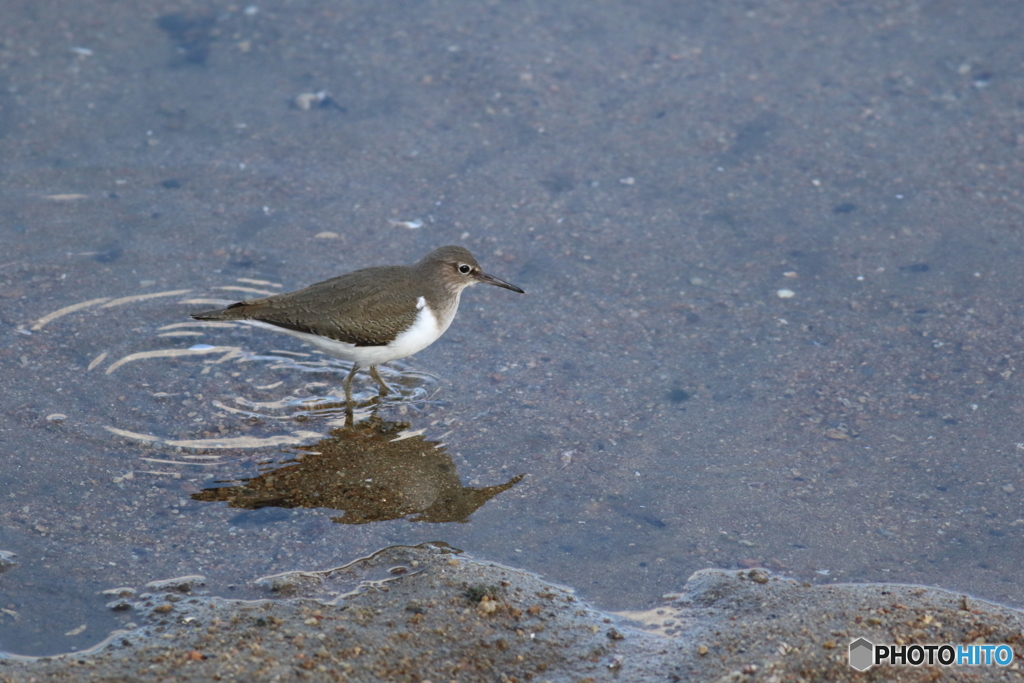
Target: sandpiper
370,316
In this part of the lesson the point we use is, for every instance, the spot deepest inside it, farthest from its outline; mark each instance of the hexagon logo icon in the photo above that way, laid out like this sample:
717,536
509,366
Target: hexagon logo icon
861,654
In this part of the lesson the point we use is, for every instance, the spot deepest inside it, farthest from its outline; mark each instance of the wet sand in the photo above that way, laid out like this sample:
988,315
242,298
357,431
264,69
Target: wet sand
436,617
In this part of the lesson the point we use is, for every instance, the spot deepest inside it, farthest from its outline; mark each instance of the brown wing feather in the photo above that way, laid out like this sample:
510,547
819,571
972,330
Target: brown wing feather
350,308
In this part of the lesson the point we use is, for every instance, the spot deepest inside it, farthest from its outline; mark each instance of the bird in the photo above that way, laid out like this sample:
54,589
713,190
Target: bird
373,315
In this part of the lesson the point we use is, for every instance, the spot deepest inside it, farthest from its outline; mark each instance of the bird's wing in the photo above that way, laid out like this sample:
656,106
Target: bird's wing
349,308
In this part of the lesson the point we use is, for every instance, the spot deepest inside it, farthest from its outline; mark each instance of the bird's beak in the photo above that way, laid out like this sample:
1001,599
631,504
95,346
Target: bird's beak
491,280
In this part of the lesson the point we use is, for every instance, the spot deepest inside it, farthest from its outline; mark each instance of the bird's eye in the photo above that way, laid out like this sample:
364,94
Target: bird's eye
465,269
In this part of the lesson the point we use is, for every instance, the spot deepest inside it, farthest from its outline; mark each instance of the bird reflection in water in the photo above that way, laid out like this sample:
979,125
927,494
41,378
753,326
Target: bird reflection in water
369,472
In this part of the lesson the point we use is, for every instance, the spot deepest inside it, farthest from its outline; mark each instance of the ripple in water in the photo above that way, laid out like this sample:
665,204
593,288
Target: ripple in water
169,389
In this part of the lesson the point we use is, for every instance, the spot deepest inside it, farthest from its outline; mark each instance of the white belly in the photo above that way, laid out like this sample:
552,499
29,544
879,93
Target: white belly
422,334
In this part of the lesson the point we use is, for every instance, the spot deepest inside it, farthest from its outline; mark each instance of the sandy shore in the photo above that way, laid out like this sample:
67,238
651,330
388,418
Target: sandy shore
427,614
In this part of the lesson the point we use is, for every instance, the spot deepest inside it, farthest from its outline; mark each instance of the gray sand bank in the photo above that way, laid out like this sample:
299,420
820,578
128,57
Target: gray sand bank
426,614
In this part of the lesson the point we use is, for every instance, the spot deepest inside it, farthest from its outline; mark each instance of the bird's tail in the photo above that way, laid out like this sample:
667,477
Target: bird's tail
220,313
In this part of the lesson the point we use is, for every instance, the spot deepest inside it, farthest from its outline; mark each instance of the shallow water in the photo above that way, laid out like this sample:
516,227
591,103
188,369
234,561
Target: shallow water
658,177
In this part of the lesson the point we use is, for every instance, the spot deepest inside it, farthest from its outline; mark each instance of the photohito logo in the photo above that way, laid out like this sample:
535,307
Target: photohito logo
864,654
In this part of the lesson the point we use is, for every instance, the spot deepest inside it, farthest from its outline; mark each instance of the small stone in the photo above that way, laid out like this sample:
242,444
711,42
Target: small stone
758,577
486,606
180,584
308,100
414,224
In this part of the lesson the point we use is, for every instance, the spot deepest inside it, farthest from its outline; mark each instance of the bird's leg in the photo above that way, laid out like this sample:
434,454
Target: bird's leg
384,388
348,383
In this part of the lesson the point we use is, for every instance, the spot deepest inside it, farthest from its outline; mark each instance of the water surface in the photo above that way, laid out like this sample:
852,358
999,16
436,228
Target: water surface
772,255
